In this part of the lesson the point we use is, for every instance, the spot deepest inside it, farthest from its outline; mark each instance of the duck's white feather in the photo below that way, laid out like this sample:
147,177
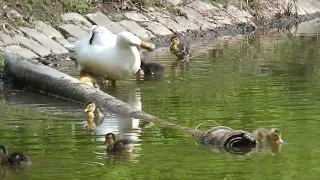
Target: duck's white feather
115,56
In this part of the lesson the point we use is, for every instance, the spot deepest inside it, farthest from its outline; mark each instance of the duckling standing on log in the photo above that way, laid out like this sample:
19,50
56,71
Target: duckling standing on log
92,113
14,158
179,49
268,135
115,57
122,145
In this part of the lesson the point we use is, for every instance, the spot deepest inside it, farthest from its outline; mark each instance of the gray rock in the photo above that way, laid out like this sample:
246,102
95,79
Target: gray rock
72,39
174,2
172,25
155,15
134,16
6,40
73,31
196,18
202,6
32,45
115,27
76,17
54,46
186,23
139,31
157,28
15,49
47,30
239,15
103,20
63,42
14,14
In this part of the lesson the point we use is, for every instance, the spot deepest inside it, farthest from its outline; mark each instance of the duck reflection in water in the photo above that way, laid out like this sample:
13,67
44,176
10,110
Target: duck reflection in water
179,67
122,126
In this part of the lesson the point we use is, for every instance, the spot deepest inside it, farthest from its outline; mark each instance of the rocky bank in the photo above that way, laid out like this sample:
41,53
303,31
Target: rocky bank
193,19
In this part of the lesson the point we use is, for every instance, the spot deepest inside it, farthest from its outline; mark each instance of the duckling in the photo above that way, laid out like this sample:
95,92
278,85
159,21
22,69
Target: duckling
92,111
122,145
268,135
151,68
179,49
89,81
14,158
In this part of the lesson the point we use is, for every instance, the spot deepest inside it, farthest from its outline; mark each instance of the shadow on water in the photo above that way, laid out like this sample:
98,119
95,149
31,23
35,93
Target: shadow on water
265,80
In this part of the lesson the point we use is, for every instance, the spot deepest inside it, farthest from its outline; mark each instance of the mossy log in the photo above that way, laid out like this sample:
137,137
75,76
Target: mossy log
54,82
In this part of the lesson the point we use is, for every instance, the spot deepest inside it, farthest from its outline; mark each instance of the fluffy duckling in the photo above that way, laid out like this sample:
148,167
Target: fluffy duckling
179,49
14,158
88,80
94,115
92,111
122,145
151,68
268,135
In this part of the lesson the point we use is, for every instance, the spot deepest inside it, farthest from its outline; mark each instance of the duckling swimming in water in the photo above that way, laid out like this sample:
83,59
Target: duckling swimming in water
179,49
94,115
92,111
151,68
122,145
14,158
268,135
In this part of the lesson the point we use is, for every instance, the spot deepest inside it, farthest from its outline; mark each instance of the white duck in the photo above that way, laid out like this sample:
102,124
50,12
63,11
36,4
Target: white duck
105,54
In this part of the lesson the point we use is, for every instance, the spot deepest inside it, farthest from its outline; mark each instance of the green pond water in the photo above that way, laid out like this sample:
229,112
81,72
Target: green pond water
267,80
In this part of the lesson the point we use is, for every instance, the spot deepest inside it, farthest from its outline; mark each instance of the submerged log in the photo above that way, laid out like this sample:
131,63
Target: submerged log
54,82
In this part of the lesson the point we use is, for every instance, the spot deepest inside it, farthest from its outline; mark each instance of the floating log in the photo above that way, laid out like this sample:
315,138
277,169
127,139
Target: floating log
52,81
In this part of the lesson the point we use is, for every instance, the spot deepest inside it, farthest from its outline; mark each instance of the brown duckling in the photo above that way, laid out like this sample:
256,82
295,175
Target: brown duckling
14,158
268,135
92,111
179,49
122,145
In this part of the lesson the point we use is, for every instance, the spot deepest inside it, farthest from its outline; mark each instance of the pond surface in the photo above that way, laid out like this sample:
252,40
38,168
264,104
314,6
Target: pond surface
267,80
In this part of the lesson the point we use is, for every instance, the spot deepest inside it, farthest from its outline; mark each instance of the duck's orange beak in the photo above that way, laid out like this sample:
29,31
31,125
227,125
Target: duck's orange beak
86,110
148,46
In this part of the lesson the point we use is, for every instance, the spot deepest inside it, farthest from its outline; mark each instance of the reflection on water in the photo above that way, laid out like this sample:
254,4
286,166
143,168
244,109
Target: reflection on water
265,80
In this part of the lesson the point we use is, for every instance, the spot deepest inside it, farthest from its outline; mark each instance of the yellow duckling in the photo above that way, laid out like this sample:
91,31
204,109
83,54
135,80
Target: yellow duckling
268,135
122,145
179,49
88,80
93,114
92,111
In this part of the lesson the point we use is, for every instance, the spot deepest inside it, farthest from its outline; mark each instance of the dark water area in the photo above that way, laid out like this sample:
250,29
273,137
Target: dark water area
265,80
